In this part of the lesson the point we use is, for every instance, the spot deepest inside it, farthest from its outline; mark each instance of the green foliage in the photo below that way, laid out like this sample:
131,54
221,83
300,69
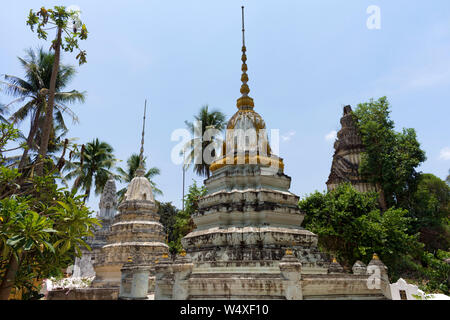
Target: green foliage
92,164
168,214
351,226
196,147
431,201
7,133
390,158
42,227
43,230
31,91
183,220
61,18
430,207
437,271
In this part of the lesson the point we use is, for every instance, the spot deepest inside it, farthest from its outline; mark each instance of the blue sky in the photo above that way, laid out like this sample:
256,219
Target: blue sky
306,60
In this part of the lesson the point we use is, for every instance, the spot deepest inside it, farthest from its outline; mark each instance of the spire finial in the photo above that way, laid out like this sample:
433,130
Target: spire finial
244,102
243,28
140,171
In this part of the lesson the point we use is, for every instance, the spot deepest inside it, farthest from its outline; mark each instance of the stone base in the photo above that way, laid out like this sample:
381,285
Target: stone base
259,280
84,294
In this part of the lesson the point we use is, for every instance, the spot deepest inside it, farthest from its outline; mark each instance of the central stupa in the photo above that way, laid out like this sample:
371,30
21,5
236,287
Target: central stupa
248,242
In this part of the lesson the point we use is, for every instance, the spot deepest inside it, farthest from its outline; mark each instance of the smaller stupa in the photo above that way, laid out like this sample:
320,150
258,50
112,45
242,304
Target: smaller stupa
347,156
136,233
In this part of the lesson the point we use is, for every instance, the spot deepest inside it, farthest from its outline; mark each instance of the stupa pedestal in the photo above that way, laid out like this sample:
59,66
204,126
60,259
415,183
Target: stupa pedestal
249,244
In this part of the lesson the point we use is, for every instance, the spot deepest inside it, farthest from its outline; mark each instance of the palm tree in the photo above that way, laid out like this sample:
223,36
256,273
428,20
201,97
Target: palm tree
33,90
92,167
128,174
3,113
215,120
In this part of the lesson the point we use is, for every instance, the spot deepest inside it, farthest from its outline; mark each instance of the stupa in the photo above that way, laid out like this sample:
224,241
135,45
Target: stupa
136,233
248,242
347,156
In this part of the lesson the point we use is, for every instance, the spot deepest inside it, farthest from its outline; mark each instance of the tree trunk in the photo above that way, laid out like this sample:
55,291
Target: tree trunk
48,122
382,199
88,191
32,133
10,277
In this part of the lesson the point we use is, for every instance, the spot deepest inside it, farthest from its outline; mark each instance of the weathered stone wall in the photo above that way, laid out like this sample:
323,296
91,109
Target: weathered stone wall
84,294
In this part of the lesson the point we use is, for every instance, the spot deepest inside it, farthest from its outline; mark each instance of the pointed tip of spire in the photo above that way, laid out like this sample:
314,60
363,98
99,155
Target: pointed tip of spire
140,169
244,102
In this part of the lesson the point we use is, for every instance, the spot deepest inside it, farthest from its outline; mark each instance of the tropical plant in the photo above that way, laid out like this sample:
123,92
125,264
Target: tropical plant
3,113
436,271
351,226
91,165
183,219
168,213
128,174
194,149
33,91
7,133
63,20
430,208
42,228
390,158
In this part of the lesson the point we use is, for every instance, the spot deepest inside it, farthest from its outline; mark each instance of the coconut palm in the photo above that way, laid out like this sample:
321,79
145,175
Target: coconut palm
33,91
128,174
91,167
3,113
215,120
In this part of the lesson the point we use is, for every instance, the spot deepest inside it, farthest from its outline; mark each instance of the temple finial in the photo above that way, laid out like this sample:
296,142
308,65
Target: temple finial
244,102
140,171
243,28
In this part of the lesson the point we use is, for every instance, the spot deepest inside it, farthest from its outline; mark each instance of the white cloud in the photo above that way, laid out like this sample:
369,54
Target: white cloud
288,136
331,136
445,154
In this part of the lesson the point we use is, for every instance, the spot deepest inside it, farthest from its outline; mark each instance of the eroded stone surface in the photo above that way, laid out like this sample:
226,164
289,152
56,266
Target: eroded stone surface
347,156
136,234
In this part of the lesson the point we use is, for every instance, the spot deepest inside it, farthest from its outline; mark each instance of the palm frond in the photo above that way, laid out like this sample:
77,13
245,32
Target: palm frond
23,112
14,89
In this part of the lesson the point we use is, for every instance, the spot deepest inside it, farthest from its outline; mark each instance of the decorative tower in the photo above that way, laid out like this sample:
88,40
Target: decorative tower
83,266
108,201
248,216
136,233
347,156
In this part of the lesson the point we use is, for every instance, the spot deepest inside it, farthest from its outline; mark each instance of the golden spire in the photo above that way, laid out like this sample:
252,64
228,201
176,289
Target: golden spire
141,171
244,102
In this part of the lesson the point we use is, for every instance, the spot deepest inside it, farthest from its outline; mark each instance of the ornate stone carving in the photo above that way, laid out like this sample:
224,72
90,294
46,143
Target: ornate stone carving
347,156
